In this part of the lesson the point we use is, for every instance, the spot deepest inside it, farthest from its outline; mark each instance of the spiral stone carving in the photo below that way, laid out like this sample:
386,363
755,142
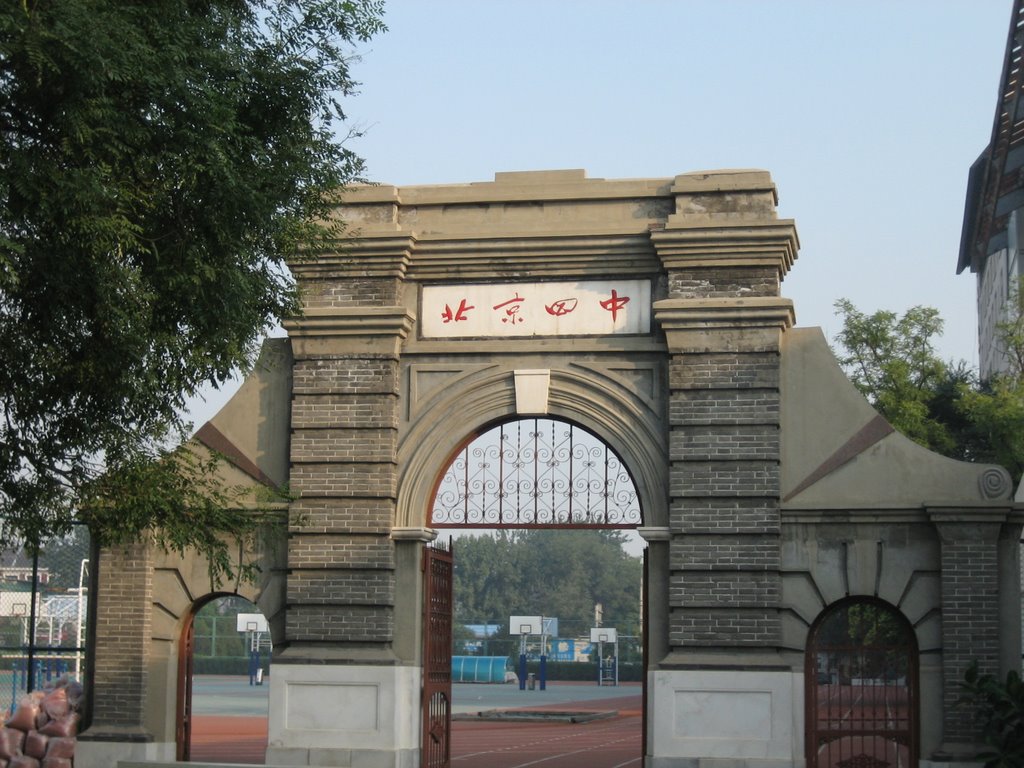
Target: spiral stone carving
994,483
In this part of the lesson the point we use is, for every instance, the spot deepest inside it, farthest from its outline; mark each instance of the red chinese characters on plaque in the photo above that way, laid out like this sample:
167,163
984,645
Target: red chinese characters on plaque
591,308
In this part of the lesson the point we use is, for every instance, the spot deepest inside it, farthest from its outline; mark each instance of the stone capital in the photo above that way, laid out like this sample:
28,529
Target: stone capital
742,243
413,533
958,524
371,257
376,331
701,325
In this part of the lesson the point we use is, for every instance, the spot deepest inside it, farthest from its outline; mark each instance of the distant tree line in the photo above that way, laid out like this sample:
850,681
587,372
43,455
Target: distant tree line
554,573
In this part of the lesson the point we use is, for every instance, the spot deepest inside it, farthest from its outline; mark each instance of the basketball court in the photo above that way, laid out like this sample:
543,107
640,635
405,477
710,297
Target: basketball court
230,726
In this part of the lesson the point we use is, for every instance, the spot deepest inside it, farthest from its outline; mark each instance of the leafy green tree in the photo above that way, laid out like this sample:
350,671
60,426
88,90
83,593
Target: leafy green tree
159,165
557,573
942,405
891,359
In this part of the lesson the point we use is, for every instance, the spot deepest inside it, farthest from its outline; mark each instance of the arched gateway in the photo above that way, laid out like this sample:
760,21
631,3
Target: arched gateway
647,312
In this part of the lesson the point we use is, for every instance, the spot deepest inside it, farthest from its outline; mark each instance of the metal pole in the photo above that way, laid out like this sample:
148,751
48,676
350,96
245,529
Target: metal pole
522,662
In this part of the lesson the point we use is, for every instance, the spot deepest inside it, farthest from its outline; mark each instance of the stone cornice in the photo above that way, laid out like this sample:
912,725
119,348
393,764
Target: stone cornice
772,243
535,255
700,325
350,330
676,315
413,533
386,257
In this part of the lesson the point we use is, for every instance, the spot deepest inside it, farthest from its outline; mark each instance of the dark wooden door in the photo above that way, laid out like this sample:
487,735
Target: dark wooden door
183,735
437,656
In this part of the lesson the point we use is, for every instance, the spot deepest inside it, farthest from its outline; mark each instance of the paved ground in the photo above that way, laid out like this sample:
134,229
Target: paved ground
229,725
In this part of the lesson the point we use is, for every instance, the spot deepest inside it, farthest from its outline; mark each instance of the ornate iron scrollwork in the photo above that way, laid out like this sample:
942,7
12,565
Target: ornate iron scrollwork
536,473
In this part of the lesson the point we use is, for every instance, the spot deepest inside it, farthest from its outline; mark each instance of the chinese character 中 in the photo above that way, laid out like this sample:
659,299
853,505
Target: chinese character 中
614,304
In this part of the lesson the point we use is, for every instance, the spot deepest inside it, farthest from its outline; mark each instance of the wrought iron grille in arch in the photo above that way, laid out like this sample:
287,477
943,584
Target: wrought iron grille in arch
536,473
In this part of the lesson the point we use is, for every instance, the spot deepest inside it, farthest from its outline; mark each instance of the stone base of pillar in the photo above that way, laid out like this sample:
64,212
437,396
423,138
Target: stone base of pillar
734,718
344,715
102,752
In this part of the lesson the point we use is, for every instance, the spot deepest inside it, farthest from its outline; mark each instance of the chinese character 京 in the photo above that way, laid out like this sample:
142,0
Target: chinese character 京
512,311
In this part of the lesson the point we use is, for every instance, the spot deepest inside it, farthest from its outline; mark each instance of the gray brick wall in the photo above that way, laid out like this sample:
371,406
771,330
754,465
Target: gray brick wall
723,282
310,516
970,618
336,624
341,583
123,631
724,480
372,292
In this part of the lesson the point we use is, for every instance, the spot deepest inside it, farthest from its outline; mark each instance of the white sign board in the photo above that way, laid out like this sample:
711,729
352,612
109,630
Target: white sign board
603,635
251,622
524,625
587,308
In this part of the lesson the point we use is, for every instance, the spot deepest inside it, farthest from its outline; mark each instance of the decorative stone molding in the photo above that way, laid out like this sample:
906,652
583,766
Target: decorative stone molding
995,483
413,533
748,244
546,256
652,533
370,257
532,391
355,330
689,323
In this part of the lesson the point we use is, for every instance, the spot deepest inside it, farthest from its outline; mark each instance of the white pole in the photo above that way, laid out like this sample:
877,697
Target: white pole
81,618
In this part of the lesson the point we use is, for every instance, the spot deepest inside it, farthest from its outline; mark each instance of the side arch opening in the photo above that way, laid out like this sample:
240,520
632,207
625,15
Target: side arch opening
861,683
223,662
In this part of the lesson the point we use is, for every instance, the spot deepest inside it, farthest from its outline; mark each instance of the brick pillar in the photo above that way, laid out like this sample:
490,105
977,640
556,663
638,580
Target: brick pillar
725,255
344,435
724,477
123,628
338,655
973,579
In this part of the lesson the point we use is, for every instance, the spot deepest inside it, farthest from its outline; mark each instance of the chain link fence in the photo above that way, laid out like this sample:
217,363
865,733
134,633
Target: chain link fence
44,604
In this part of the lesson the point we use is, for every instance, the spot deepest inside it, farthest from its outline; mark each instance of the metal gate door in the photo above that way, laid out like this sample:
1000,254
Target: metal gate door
437,656
861,676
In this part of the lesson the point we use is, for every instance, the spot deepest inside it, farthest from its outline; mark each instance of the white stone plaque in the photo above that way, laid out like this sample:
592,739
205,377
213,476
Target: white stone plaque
591,308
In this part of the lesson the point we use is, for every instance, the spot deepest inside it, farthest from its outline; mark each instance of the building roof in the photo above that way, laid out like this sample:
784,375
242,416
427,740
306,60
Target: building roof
995,186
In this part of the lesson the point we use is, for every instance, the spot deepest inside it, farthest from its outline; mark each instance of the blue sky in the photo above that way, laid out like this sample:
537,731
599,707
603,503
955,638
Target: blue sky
868,115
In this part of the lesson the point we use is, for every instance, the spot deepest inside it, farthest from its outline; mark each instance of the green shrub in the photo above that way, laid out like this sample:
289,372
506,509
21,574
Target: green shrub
1000,708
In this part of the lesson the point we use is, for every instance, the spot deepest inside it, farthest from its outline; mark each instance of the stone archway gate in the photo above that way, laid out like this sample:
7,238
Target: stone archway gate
648,312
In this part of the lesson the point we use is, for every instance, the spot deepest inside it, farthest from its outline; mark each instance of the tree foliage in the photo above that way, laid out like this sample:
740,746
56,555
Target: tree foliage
160,163
556,573
891,359
999,709
940,404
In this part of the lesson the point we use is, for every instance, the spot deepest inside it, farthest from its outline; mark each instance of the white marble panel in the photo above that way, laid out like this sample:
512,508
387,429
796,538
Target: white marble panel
747,716
333,707
723,714
586,308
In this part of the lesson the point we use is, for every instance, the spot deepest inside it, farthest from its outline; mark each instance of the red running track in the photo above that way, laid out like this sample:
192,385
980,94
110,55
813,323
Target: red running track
611,743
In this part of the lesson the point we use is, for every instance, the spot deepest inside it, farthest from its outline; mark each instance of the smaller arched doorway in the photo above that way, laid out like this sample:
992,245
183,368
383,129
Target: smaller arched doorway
861,687
224,654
